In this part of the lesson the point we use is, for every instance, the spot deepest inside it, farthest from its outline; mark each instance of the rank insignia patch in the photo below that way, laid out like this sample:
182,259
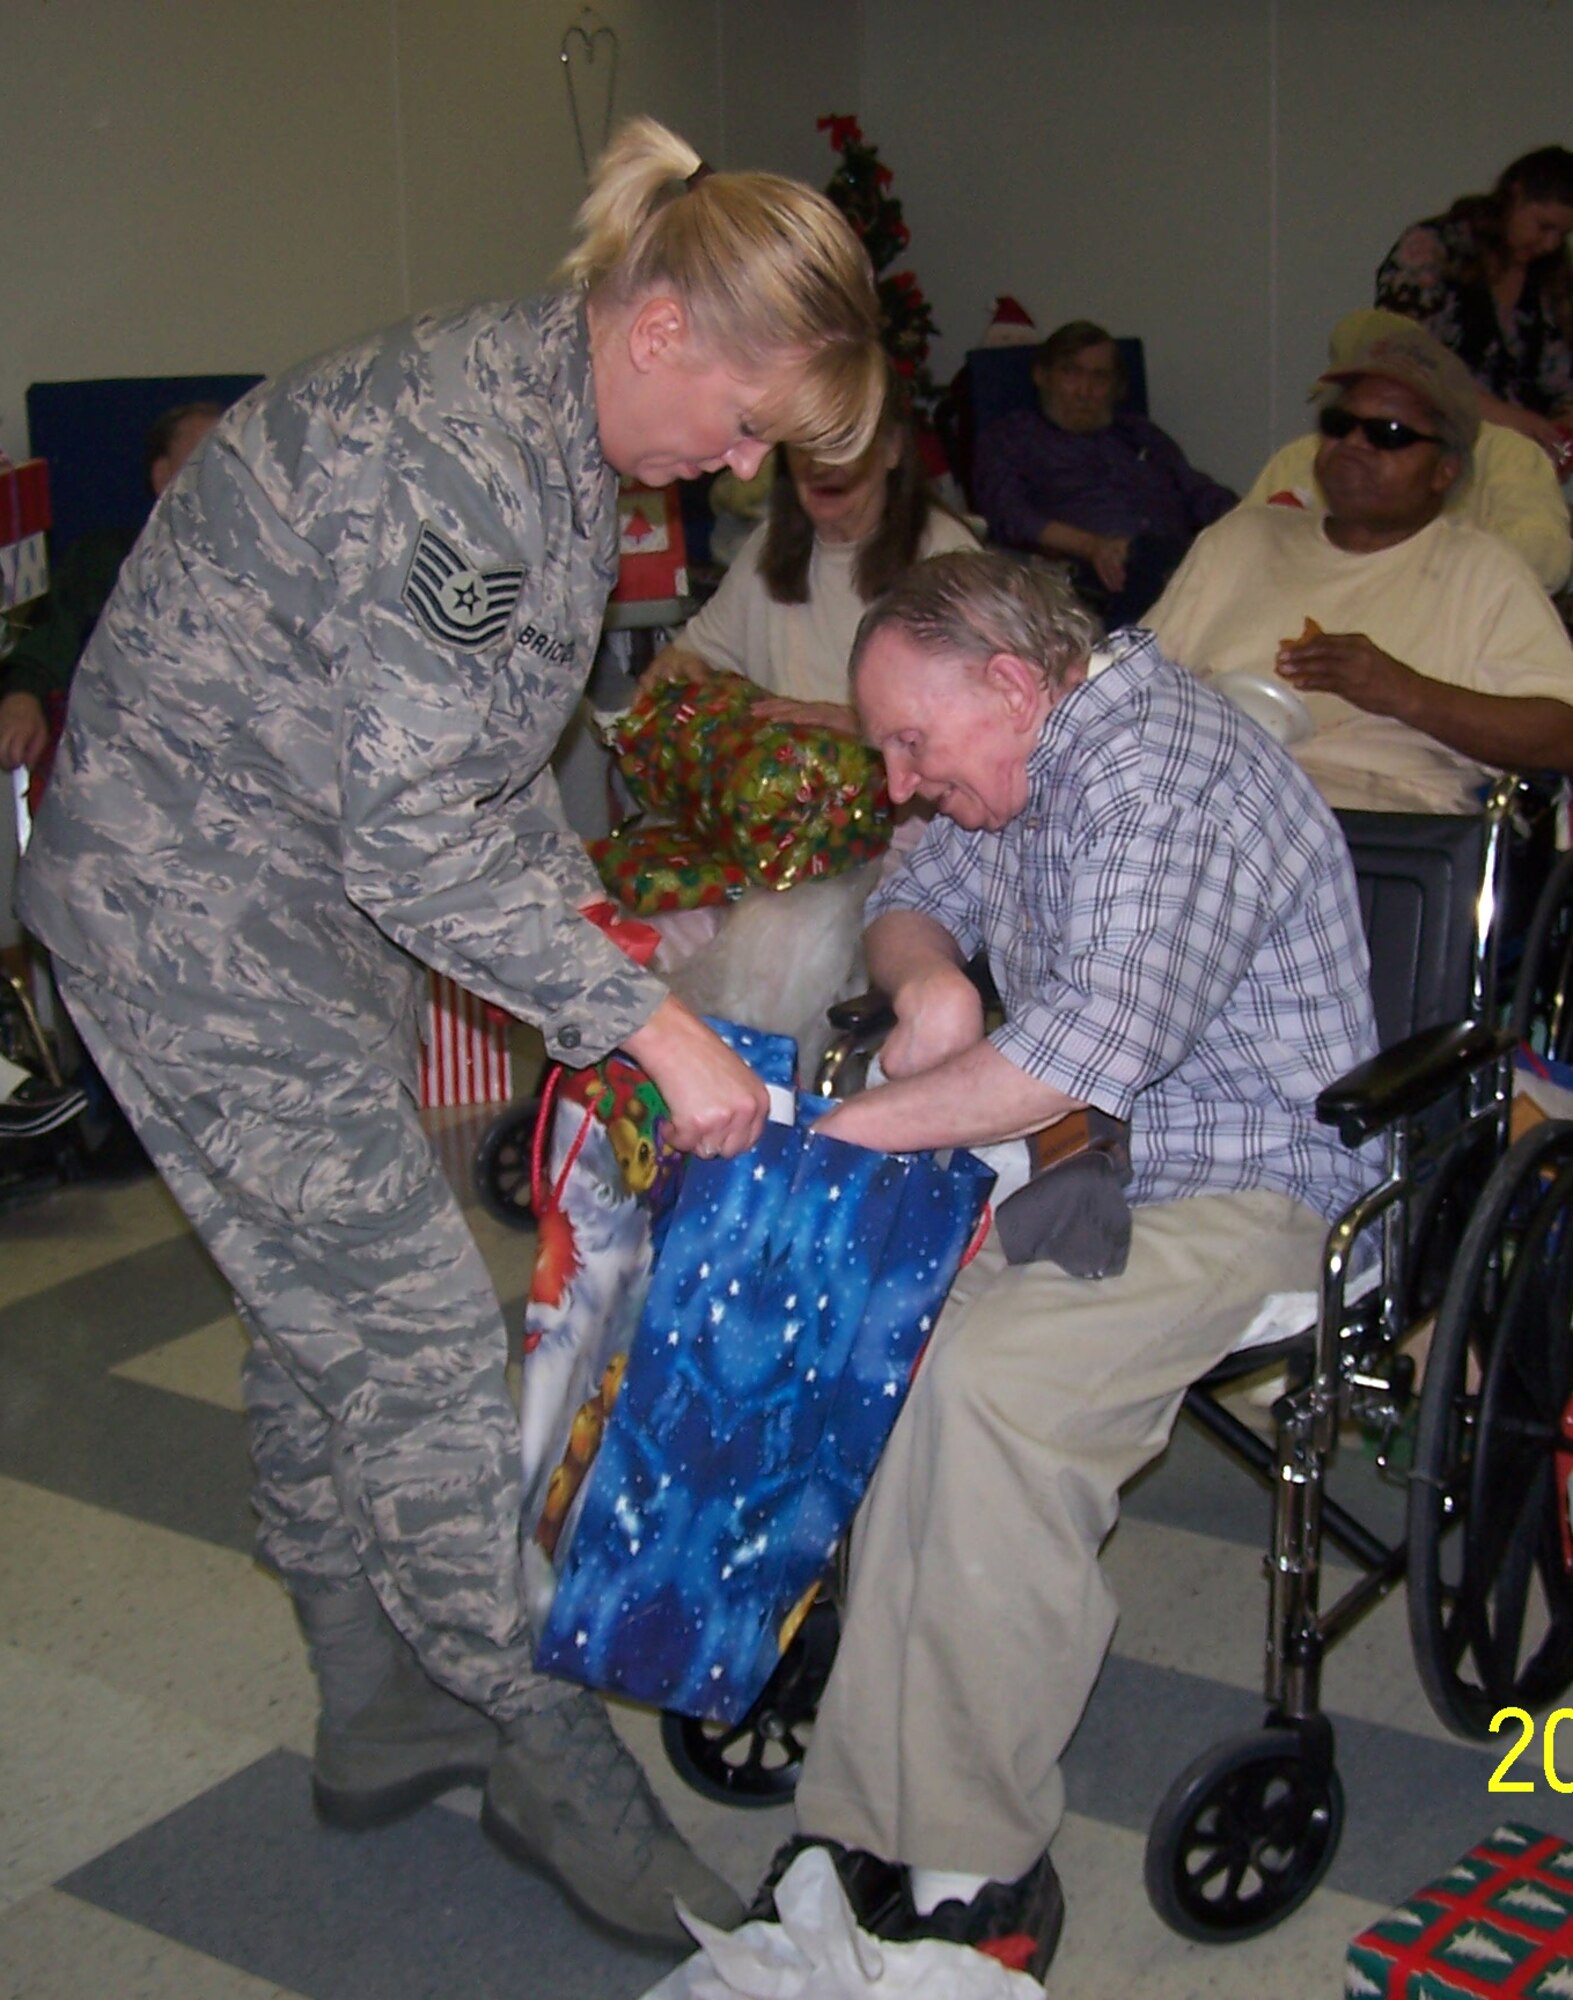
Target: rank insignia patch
457,603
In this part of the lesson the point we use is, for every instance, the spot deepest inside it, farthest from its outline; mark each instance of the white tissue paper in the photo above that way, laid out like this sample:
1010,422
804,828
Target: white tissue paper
817,1952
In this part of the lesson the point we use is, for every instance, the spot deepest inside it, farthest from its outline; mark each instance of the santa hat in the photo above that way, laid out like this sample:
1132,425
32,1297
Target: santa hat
1011,326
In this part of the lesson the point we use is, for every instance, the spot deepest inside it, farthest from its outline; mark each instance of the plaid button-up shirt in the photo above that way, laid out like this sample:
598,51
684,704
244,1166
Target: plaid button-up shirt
1172,925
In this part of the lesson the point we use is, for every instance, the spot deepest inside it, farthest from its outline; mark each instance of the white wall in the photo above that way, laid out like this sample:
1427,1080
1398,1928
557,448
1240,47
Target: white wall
781,69
1219,176
216,185
231,184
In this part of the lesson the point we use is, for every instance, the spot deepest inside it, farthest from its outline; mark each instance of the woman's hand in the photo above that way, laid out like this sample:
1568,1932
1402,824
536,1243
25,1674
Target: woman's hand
718,1105
839,716
674,663
1548,432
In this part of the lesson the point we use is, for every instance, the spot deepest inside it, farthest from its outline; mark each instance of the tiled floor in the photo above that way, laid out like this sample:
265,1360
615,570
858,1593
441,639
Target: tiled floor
155,1835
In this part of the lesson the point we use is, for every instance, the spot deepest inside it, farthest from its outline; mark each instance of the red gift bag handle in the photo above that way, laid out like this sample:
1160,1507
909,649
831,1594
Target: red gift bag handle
543,1124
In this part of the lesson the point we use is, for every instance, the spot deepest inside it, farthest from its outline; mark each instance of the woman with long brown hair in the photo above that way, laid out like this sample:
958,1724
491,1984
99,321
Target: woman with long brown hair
836,536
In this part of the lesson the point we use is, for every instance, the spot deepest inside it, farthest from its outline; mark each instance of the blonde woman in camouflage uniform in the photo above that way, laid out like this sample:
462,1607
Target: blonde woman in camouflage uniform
308,747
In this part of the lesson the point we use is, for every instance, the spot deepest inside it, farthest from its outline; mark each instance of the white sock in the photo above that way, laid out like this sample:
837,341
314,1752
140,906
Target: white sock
933,1886
11,1078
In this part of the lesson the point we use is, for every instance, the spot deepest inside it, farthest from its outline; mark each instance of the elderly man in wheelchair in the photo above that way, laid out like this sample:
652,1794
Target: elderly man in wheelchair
1171,921
1401,654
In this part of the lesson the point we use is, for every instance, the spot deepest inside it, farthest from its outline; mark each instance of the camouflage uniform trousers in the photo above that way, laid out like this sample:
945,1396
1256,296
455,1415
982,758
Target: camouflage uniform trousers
382,1433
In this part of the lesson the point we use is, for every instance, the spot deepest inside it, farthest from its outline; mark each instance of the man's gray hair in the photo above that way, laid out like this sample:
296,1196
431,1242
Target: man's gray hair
978,602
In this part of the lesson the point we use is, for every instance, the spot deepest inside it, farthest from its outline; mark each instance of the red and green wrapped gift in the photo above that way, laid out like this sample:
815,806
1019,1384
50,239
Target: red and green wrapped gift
654,868
781,801
1498,1923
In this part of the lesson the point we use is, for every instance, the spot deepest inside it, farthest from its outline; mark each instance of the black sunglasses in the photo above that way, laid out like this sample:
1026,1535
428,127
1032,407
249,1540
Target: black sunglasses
1380,433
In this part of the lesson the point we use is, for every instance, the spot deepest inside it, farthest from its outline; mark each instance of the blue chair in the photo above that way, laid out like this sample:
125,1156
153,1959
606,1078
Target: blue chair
93,434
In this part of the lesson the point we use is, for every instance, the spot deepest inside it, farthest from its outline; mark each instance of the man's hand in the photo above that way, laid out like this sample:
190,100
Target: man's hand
974,1098
1108,555
24,731
835,715
1350,665
939,1013
717,1103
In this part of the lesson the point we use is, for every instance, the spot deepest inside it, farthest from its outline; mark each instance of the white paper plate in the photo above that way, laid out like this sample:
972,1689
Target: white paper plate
1270,702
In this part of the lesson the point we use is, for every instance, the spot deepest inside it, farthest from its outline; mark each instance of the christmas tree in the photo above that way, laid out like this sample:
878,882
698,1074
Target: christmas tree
860,188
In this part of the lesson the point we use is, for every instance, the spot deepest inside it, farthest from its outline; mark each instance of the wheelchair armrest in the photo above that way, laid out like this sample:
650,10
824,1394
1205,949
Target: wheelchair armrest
863,1014
1407,1077
871,1014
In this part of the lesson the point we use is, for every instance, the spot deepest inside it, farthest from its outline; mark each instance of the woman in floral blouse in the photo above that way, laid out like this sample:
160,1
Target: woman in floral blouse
1492,280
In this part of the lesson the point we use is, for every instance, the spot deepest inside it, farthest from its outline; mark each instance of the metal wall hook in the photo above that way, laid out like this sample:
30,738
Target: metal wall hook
586,34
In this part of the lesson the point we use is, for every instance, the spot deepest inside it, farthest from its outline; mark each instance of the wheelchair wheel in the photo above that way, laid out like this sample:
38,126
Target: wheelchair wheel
1490,1547
756,1762
1543,989
1244,1835
501,1167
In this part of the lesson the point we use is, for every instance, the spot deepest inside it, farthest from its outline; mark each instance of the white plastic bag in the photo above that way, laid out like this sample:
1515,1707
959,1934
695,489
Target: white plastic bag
817,1952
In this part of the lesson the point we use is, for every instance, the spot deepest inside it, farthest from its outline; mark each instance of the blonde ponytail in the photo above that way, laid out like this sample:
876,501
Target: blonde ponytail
644,166
768,272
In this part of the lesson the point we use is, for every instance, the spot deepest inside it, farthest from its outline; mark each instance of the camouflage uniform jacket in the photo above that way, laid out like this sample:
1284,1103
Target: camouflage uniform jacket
310,734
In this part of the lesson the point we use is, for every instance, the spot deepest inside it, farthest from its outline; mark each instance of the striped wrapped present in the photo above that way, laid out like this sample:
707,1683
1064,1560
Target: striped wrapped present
464,1057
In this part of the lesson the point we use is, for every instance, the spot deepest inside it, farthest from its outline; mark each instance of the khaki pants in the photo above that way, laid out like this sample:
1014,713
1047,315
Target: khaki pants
978,1614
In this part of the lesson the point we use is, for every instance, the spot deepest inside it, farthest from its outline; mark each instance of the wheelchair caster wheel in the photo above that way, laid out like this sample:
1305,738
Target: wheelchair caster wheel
755,1762
501,1167
1243,1836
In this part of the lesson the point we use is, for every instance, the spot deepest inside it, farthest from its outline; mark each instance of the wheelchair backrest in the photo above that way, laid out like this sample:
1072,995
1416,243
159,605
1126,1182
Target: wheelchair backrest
1420,878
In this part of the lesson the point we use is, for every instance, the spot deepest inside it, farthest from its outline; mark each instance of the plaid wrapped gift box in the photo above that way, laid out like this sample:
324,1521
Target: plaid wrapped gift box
1499,1922
24,516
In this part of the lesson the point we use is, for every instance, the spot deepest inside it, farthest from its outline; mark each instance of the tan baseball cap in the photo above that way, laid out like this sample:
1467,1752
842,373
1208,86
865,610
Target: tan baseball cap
1374,342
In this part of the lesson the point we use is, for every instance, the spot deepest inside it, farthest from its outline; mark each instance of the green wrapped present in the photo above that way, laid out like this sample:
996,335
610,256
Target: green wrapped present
783,801
1498,1923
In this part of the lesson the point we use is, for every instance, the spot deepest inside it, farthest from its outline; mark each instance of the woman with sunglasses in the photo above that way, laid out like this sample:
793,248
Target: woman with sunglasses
1492,280
307,753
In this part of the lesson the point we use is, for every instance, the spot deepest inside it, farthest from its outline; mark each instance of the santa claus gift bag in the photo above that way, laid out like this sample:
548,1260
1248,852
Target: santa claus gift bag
725,1446
604,1183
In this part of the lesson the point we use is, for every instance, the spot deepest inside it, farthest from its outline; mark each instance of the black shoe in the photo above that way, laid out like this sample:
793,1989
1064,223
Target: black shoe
36,1107
875,1889
118,1155
1019,1923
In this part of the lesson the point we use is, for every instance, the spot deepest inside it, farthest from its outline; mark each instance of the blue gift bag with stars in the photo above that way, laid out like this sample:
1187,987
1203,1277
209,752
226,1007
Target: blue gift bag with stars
793,1290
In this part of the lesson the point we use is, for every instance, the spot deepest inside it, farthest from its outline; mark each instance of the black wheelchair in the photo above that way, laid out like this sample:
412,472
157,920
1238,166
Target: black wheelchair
1470,1232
